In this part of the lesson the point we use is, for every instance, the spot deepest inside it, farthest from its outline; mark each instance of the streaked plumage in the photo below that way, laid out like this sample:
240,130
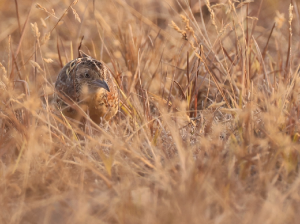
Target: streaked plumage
90,84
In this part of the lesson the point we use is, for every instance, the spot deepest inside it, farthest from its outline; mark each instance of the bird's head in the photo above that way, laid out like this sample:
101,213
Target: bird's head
91,74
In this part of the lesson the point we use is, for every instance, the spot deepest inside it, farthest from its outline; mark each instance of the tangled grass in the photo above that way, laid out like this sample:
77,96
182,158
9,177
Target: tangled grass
207,129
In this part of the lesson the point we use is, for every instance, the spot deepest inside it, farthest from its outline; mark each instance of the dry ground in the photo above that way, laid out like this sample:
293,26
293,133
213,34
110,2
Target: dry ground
207,130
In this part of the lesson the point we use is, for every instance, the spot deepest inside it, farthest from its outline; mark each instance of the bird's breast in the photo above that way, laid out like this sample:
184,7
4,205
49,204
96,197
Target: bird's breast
102,104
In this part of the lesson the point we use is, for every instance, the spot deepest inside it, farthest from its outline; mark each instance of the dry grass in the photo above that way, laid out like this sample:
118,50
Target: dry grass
207,130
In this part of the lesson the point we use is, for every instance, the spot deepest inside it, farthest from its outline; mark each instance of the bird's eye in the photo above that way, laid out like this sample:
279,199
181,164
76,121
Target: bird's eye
87,75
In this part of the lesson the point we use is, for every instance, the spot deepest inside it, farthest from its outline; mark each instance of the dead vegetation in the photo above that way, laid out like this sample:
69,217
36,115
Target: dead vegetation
207,130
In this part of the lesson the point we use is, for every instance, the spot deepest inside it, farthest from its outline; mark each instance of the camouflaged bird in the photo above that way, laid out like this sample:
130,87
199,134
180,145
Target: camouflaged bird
89,84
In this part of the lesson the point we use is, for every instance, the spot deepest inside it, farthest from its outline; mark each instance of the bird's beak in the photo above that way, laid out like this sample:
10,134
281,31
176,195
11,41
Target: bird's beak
101,84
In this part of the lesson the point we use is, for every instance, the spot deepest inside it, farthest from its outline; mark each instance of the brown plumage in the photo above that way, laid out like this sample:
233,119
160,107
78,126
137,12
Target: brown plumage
88,83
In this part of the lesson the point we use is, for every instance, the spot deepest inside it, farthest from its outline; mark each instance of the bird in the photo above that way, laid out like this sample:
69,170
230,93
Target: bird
89,84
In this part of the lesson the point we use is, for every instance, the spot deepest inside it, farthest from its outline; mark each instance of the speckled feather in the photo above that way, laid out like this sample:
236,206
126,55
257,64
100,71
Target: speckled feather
70,84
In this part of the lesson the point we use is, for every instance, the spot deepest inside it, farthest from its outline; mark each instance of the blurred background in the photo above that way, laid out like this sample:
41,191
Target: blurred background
102,23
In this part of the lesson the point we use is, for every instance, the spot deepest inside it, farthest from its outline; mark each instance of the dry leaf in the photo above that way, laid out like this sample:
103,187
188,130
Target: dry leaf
45,38
3,69
43,23
35,30
75,14
36,65
49,60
